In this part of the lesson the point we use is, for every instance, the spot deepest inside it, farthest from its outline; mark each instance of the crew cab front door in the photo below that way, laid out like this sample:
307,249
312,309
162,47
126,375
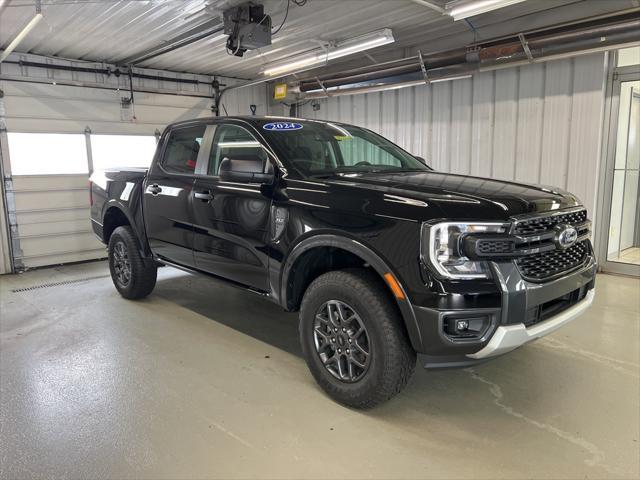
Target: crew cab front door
231,219
167,197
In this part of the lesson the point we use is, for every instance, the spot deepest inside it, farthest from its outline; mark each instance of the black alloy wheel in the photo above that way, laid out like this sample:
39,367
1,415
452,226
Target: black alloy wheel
353,338
121,264
341,341
133,276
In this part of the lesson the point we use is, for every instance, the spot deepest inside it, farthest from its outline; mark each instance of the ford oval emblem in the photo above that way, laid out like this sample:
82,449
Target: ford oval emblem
566,235
282,126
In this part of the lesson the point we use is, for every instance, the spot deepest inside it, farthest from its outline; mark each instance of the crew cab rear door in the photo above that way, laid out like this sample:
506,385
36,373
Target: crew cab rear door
231,219
168,194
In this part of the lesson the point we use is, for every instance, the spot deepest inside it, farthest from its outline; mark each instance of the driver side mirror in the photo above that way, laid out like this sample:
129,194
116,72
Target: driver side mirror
422,160
249,170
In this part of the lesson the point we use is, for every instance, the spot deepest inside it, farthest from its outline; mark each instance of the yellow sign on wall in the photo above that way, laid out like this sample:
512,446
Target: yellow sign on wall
280,91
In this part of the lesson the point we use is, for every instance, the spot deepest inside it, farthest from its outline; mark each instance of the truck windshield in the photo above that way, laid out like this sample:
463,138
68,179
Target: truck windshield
323,148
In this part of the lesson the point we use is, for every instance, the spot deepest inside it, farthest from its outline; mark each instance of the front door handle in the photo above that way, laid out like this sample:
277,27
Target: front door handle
205,196
154,189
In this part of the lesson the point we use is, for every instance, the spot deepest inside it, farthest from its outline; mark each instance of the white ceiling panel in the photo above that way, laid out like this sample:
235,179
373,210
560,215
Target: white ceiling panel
112,30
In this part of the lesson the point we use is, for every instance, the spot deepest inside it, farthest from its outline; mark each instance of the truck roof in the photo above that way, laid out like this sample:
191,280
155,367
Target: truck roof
253,119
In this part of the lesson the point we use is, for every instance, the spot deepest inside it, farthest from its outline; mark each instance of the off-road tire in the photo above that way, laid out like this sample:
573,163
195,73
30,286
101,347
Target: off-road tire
392,359
142,278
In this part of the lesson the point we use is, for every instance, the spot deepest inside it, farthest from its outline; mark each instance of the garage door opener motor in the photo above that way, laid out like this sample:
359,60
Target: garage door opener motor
248,28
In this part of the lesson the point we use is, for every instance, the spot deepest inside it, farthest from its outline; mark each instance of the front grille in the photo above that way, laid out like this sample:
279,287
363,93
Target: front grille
535,244
541,266
543,224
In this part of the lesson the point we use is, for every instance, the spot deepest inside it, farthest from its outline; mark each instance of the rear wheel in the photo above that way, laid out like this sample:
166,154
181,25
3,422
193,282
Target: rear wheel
131,276
353,339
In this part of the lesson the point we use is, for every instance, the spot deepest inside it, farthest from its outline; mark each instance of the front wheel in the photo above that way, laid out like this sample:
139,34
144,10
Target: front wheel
353,339
131,276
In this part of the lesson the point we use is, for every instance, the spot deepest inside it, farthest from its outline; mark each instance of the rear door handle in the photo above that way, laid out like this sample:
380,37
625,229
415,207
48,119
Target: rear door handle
205,196
154,189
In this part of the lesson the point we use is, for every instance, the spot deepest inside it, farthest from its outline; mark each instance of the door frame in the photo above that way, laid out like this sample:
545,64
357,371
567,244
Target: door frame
607,165
203,177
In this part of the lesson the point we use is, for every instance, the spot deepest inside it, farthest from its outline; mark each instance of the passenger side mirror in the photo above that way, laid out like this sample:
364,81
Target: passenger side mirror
422,160
248,170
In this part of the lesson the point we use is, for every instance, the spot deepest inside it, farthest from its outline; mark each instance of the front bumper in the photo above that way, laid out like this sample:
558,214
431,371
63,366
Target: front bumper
510,337
517,312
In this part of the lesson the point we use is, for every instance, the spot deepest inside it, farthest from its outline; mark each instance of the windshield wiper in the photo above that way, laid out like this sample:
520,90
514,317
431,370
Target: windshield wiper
322,175
363,171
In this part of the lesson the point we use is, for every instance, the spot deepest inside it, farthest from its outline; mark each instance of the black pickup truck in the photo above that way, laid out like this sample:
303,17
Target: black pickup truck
385,259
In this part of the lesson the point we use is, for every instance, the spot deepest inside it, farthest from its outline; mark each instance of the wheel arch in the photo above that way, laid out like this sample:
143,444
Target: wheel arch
114,217
117,215
292,289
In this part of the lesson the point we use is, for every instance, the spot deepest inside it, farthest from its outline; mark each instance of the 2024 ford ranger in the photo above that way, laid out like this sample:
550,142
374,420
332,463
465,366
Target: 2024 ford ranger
385,259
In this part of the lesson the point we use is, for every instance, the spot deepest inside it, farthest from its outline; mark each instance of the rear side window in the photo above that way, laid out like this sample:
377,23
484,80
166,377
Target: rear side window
182,150
236,143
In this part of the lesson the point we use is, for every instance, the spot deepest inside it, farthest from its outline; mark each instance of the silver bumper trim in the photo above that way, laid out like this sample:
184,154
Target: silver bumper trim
507,338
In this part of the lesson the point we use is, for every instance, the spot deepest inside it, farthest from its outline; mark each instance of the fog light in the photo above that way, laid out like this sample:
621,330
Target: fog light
466,328
462,325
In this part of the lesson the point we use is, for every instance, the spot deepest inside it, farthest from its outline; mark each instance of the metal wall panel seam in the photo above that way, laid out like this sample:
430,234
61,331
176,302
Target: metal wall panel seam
517,117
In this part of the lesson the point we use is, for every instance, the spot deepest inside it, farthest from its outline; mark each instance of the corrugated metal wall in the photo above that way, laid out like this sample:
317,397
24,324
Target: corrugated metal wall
537,123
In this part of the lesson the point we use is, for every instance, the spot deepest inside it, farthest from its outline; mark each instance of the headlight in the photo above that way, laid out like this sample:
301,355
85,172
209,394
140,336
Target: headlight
442,248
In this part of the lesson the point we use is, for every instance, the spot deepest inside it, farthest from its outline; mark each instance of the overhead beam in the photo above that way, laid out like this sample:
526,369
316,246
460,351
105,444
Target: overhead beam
431,5
200,32
23,33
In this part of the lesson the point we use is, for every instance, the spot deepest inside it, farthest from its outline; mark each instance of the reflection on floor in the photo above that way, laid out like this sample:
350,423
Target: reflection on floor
630,255
201,380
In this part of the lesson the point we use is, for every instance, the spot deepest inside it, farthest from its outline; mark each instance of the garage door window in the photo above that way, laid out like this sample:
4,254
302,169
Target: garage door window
47,153
115,151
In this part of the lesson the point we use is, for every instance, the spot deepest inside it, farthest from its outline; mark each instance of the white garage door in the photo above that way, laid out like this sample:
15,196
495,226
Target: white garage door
47,179
52,216
47,160
50,196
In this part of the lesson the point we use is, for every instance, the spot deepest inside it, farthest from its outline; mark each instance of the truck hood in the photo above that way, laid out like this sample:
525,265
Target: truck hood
460,196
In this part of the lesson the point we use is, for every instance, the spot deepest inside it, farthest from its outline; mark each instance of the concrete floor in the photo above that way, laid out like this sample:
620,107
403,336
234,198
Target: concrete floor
630,255
202,380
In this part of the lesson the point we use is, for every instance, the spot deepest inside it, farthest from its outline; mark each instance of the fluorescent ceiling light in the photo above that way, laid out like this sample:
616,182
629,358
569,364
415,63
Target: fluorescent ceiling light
342,49
462,10
23,33
449,79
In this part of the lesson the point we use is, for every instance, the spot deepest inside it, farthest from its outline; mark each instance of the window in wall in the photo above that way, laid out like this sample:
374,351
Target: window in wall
182,150
624,220
114,151
628,56
47,153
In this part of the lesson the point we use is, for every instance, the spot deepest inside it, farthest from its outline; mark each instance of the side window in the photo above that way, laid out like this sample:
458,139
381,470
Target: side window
231,141
182,150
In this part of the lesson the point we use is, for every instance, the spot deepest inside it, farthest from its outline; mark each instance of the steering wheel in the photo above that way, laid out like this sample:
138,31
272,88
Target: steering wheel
362,164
